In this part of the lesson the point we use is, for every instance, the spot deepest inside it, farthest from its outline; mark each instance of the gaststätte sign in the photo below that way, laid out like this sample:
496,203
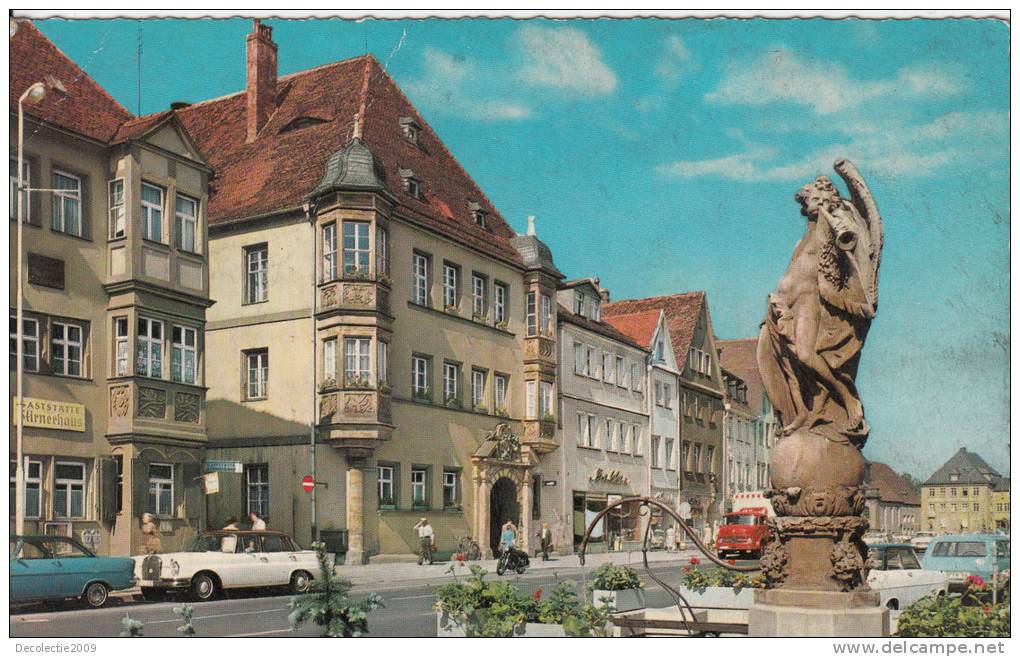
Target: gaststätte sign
48,414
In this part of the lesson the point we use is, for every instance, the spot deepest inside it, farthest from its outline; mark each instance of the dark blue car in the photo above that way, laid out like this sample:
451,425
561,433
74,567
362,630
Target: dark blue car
57,567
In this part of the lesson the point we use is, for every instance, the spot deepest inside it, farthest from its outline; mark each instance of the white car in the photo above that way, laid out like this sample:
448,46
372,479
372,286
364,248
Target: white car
219,560
921,541
898,577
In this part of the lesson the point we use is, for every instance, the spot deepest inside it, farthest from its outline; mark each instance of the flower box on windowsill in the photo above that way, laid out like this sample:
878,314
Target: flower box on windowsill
328,384
385,280
358,383
501,412
478,318
424,397
451,310
357,275
547,417
452,402
502,326
481,409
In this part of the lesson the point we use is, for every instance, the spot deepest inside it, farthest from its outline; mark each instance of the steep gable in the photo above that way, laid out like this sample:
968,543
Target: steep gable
964,468
740,357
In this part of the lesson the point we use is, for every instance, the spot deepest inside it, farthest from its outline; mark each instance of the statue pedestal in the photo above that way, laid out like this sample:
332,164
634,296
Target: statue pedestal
796,613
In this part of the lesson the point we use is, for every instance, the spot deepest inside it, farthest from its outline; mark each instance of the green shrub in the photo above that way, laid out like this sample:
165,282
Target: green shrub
699,580
610,577
328,605
956,616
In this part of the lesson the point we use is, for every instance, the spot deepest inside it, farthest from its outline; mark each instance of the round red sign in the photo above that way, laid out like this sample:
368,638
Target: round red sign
308,483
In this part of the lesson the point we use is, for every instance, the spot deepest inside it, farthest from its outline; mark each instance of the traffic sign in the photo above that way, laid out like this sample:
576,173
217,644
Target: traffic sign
224,466
308,483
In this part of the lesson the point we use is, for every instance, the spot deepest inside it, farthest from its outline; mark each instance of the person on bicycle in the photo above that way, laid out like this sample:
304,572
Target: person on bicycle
426,541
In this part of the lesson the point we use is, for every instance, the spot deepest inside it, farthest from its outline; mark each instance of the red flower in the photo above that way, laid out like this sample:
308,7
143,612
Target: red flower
732,562
986,609
538,594
461,557
976,581
694,561
687,569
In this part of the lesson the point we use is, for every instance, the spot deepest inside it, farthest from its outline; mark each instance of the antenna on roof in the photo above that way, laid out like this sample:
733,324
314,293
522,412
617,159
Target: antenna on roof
138,107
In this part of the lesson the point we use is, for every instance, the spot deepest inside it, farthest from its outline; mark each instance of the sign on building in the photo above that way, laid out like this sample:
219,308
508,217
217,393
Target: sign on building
48,414
224,466
212,483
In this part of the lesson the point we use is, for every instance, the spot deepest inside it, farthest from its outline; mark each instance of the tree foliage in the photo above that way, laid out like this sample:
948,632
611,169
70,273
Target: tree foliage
328,603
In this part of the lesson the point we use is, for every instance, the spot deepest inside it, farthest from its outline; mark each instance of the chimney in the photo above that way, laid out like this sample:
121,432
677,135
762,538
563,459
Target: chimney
261,67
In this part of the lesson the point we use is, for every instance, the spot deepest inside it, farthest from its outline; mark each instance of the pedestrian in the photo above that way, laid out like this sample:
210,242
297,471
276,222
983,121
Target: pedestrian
545,540
258,524
231,525
670,539
153,544
426,541
508,537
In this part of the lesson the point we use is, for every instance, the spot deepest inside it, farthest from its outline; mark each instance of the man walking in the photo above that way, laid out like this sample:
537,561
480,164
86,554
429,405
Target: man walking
258,524
545,540
426,541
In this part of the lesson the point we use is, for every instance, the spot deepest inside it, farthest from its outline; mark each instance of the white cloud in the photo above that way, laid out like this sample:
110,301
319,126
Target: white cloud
447,78
782,75
564,58
674,61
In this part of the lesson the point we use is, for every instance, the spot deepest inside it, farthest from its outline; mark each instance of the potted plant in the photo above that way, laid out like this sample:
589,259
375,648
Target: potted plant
423,395
547,417
719,587
618,586
452,402
360,382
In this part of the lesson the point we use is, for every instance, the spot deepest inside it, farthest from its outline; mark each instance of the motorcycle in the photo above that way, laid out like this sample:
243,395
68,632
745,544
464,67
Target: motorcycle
511,559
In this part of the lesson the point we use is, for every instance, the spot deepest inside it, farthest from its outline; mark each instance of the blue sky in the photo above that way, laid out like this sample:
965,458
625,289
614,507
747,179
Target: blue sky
662,156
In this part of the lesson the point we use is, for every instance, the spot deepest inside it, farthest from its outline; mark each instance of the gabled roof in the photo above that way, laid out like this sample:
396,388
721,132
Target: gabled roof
85,109
740,358
891,486
639,327
968,467
682,312
279,168
604,329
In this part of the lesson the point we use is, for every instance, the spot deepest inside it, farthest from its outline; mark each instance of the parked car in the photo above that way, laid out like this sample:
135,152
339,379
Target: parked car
876,537
920,541
962,555
743,532
57,567
224,559
898,577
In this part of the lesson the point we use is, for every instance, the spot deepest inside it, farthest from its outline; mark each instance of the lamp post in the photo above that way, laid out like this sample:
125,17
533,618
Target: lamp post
33,94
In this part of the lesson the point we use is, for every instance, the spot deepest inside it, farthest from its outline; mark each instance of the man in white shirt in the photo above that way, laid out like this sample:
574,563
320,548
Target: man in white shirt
426,541
258,524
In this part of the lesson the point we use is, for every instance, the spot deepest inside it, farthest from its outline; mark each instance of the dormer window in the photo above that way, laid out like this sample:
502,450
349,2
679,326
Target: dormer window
954,477
411,184
302,122
477,213
578,302
410,128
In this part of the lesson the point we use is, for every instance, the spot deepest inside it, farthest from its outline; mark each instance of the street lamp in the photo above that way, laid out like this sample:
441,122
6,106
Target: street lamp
34,94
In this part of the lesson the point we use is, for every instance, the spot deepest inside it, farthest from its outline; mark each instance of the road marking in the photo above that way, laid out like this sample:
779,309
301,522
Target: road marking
413,597
238,613
32,620
230,636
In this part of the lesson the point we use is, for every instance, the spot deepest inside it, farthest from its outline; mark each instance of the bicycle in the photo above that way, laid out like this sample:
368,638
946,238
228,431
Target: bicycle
468,549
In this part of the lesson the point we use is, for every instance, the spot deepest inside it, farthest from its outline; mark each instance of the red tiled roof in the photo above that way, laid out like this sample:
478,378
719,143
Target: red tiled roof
891,486
86,108
276,170
639,327
740,357
682,313
138,126
602,328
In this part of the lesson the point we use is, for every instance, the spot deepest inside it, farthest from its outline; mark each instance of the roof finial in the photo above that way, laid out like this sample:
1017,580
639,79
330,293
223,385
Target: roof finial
531,224
356,133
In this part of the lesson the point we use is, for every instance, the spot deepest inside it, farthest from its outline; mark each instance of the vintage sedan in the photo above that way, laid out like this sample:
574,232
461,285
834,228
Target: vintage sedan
219,560
57,567
898,577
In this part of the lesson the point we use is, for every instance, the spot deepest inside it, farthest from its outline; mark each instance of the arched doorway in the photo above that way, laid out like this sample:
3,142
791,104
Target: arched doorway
503,506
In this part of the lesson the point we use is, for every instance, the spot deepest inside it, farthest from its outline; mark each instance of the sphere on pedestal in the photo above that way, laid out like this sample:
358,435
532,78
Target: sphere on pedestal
805,458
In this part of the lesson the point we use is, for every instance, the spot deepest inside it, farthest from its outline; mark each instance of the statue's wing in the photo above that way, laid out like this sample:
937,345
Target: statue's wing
862,199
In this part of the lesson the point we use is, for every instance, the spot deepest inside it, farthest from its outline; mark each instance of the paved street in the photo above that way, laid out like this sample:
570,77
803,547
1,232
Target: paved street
408,610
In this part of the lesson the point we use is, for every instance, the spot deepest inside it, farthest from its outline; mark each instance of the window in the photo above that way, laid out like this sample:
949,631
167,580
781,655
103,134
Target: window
499,305
685,453
450,292
531,315
578,302
583,432
611,435
421,279
33,488
635,377
258,374
479,216
386,494
420,377
150,348
977,507
591,369
451,498
593,431
382,361
621,372
119,460
670,463
608,360
478,390
256,478
66,349
257,258
411,131
419,488
625,439
655,451
580,359
710,464
546,315
478,300
187,224
546,401
531,400
121,347
451,381
329,359
329,252
184,357
152,212
161,489
116,208
357,365
69,490
29,344
356,251
26,197
414,188
658,393
952,492
382,251
659,351
697,457
499,386
67,203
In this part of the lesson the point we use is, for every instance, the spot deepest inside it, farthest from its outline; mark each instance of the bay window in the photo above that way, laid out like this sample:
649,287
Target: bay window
546,314
329,252
531,400
531,314
329,359
187,224
67,215
545,408
356,251
121,347
357,356
382,254
150,348
116,208
184,357
382,361
152,212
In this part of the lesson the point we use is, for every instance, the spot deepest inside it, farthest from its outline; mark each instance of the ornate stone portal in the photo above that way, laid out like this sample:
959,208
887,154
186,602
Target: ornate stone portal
808,353
501,456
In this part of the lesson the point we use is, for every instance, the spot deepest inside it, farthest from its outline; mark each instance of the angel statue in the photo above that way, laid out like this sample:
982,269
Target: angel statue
810,343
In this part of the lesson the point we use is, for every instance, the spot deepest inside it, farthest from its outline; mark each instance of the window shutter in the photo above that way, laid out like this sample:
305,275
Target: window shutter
139,487
193,493
107,489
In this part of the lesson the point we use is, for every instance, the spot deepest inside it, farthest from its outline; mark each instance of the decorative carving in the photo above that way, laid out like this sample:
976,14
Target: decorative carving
327,296
327,407
120,401
609,477
545,348
817,501
359,404
508,447
358,295
788,526
773,561
151,402
186,407
531,348
849,561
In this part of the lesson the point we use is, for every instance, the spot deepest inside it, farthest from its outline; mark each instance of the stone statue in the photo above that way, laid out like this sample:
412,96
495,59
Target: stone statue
808,353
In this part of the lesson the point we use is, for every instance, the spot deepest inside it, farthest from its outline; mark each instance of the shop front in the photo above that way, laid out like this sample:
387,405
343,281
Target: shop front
618,530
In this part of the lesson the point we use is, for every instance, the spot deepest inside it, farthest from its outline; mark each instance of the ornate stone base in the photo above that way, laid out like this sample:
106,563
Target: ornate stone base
816,553
792,613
